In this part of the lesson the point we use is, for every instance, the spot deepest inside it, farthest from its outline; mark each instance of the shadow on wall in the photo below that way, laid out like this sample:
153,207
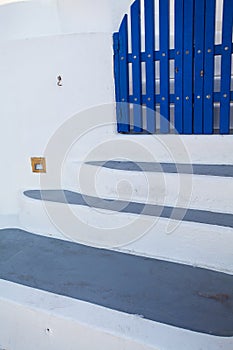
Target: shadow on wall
35,18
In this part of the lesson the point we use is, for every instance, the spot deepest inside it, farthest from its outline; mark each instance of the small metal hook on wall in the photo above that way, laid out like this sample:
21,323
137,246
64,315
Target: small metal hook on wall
59,81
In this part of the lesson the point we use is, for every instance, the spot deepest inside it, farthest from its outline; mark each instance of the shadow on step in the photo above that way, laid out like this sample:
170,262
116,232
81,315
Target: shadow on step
190,215
183,296
170,168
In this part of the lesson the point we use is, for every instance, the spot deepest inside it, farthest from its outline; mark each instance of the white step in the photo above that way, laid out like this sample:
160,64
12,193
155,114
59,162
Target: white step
177,190
42,320
186,242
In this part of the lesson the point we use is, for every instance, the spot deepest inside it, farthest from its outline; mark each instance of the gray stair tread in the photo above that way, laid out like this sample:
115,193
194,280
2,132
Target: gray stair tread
190,215
197,169
183,296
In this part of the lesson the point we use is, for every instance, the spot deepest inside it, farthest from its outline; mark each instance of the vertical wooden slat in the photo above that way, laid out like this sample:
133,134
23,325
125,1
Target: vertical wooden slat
199,29
179,24
123,114
150,64
136,66
164,66
209,66
226,67
117,78
188,67
116,65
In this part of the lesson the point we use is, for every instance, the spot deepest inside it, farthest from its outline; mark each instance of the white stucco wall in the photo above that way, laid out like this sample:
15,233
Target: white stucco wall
33,106
33,18
39,40
38,43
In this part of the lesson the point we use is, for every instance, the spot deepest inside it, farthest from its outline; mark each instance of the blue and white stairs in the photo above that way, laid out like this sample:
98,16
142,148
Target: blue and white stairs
76,271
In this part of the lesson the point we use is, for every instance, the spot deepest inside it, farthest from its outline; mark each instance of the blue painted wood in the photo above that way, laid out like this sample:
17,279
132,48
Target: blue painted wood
209,66
164,66
199,29
136,65
158,99
179,29
194,65
117,77
188,66
218,49
217,96
123,117
149,10
226,67
157,56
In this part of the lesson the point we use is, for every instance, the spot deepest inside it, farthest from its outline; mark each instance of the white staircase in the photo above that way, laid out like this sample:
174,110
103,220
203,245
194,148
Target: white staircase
54,320
195,243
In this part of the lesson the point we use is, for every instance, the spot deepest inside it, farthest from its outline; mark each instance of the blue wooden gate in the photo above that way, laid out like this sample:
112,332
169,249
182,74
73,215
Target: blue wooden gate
180,71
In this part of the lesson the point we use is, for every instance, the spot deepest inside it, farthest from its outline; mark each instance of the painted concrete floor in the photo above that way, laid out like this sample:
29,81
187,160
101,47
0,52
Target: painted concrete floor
184,214
191,298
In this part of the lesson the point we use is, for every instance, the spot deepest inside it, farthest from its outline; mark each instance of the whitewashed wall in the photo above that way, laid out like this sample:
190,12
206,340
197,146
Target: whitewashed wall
39,40
33,18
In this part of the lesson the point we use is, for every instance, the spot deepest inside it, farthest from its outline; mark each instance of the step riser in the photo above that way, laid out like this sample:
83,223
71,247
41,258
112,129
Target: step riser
176,190
51,322
47,321
104,144
190,243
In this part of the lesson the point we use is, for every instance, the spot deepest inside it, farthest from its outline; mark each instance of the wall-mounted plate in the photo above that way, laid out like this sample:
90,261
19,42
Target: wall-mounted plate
38,165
